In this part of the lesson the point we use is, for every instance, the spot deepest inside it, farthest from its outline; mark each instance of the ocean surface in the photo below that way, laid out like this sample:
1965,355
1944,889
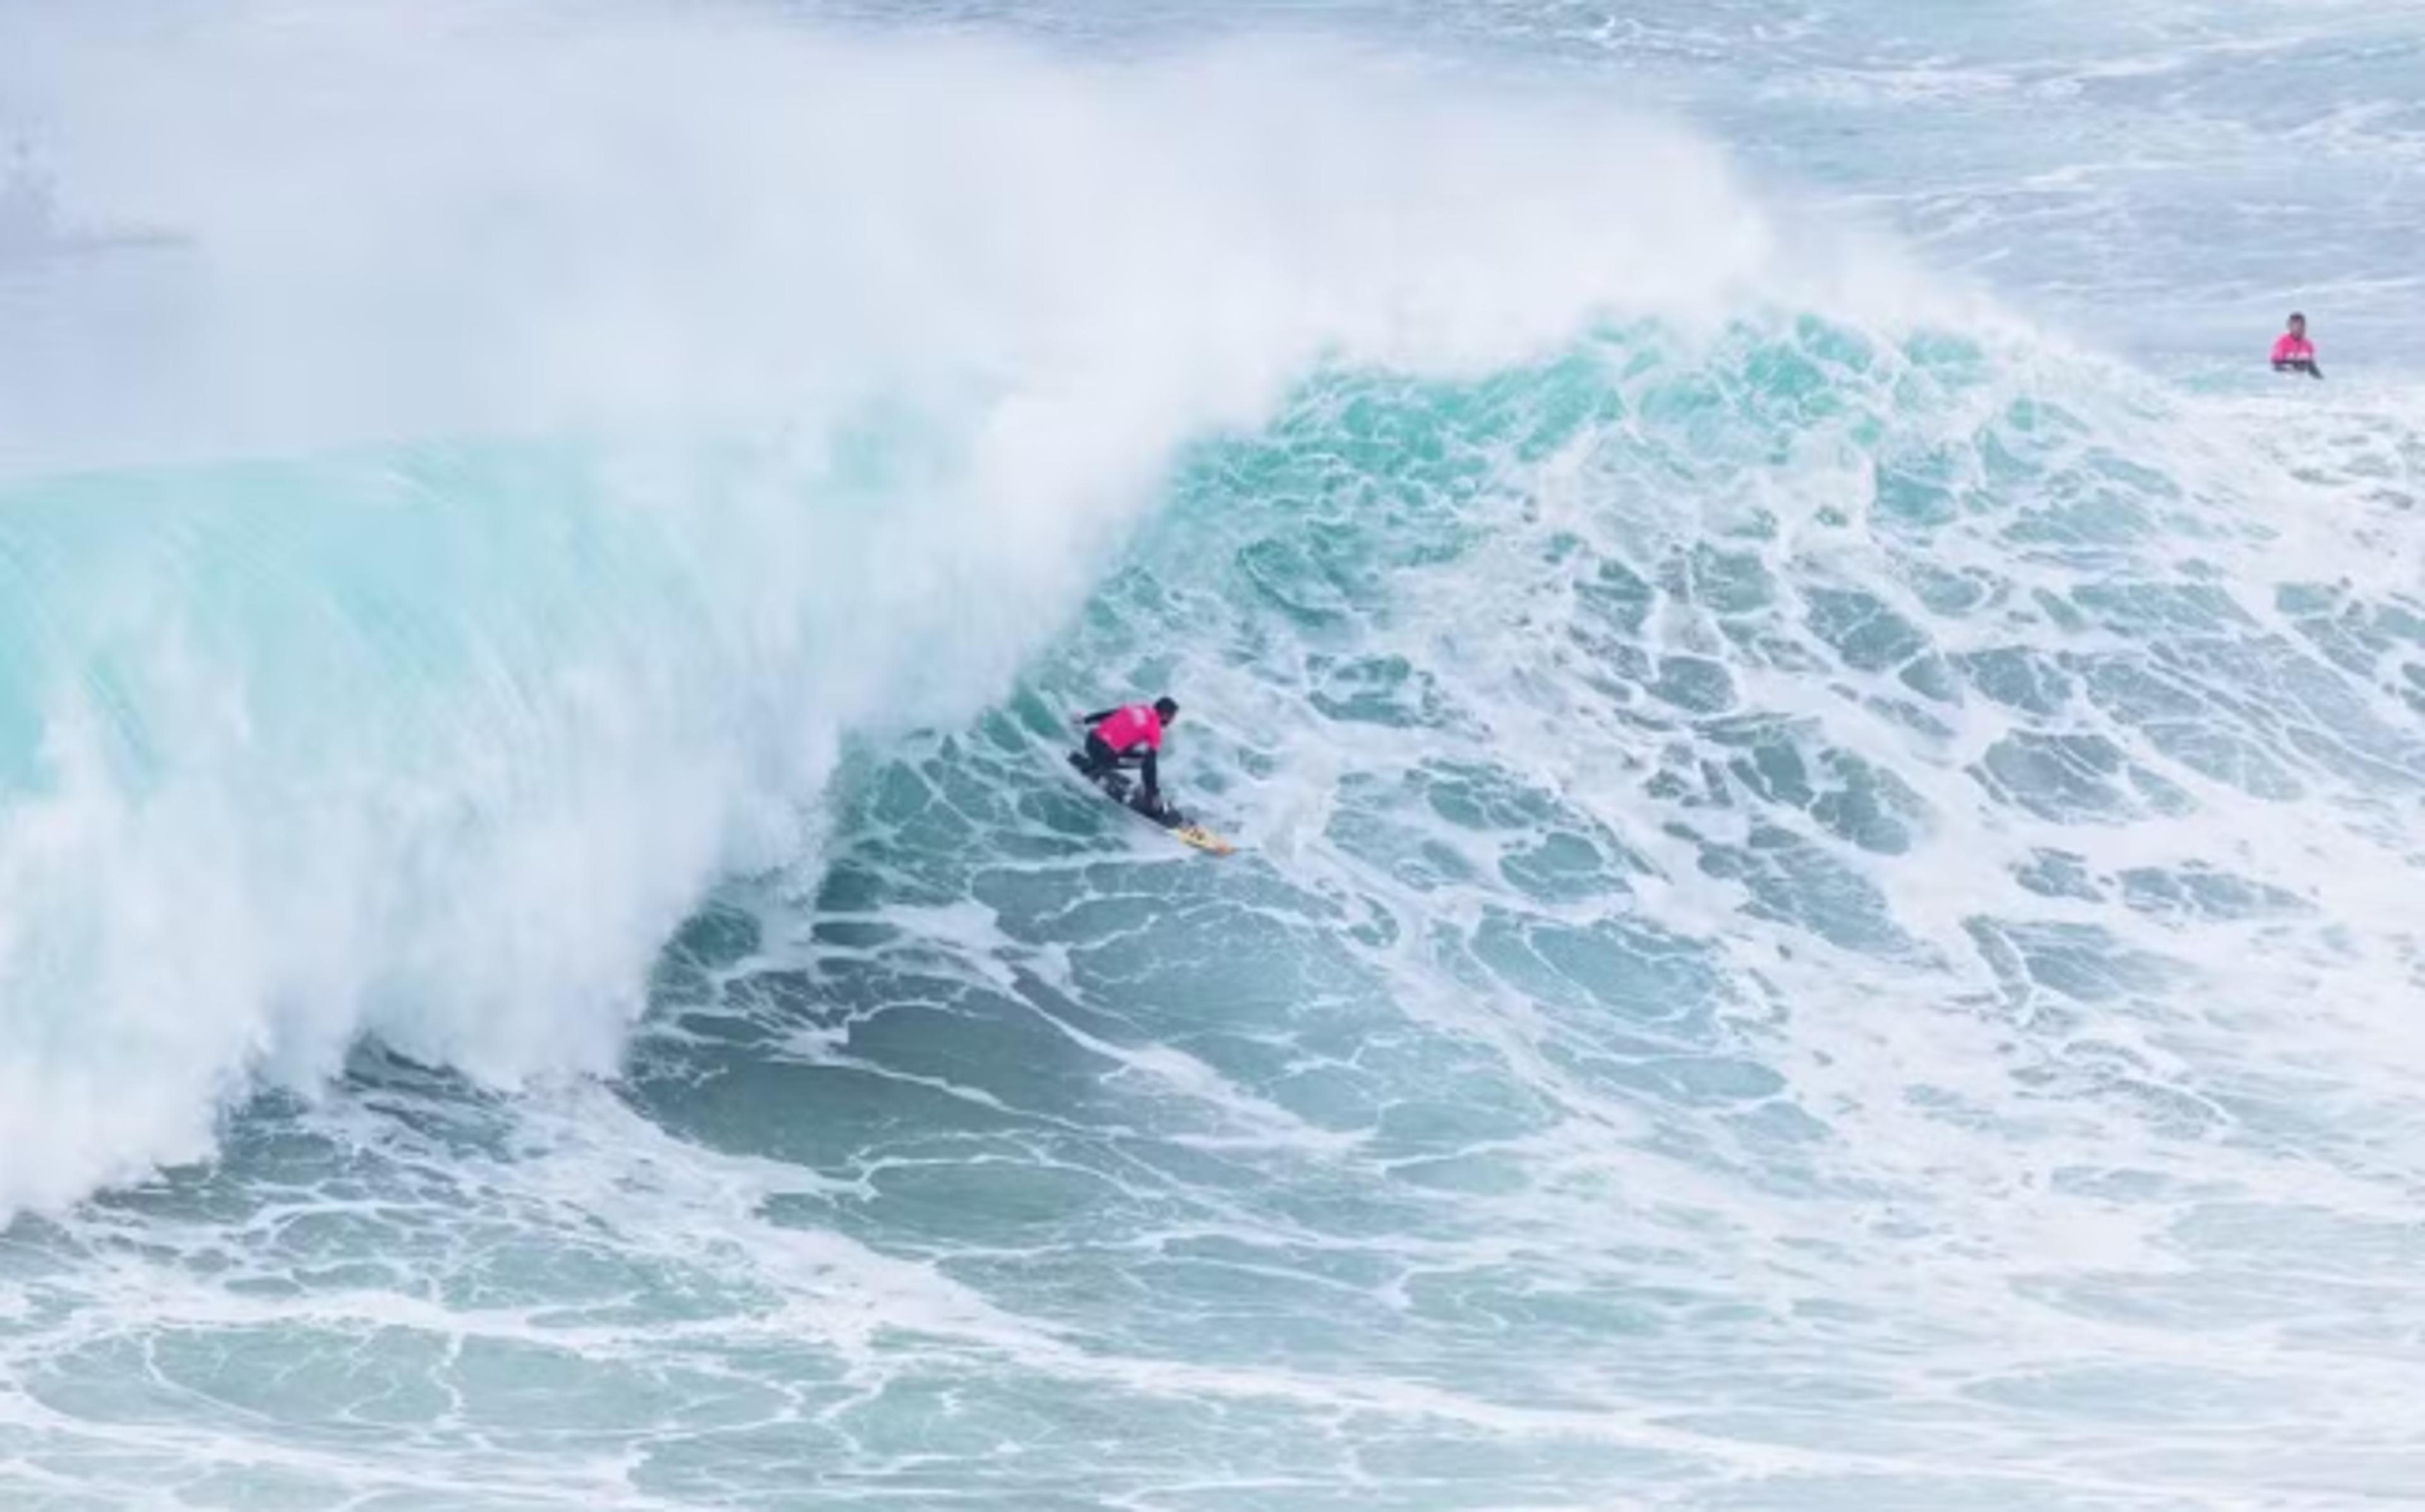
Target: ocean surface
1829,772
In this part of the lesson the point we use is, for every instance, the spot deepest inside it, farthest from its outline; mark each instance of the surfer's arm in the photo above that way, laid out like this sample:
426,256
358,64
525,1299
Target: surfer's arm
1153,787
1097,717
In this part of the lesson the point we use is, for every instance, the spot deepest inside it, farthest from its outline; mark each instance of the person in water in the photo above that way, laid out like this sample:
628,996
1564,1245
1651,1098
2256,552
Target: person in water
1128,736
2294,352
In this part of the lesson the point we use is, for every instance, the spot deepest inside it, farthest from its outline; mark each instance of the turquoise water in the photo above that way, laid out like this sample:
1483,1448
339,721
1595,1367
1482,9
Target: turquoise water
1827,782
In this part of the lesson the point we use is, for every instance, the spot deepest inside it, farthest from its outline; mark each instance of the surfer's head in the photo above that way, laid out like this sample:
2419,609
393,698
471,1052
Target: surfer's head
2298,324
1165,708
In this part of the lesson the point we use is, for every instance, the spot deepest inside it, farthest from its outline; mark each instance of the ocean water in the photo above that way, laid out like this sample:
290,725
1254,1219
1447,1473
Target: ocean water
1830,775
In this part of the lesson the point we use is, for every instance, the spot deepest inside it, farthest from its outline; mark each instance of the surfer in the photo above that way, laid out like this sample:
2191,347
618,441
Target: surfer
1130,735
2294,352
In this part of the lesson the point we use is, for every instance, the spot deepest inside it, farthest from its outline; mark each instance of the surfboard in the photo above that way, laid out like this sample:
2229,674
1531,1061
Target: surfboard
1202,838
1114,786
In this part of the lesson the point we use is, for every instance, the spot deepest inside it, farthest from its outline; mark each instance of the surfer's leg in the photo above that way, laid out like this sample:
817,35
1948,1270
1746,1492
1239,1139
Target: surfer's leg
1099,757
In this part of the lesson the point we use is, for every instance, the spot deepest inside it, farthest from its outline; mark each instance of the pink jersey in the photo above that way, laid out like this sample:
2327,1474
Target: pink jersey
2294,349
1128,726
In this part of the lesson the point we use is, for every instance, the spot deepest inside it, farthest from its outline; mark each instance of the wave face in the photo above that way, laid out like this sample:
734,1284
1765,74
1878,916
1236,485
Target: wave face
439,739
1822,919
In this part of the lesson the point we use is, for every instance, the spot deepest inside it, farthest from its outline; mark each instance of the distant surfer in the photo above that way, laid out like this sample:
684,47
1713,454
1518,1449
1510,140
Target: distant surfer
2294,352
1128,736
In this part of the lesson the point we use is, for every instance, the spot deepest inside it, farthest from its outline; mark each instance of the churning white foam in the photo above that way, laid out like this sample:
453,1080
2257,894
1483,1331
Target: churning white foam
874,347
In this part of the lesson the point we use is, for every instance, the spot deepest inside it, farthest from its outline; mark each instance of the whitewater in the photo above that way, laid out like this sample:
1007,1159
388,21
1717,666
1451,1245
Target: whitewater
1830,772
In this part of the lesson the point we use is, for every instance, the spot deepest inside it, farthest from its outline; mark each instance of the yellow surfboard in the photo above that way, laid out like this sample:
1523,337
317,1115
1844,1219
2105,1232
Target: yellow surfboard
1114,787
1203,839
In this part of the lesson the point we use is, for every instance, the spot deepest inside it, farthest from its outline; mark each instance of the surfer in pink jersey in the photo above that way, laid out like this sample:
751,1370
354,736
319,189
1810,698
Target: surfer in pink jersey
1130,735
2294,352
